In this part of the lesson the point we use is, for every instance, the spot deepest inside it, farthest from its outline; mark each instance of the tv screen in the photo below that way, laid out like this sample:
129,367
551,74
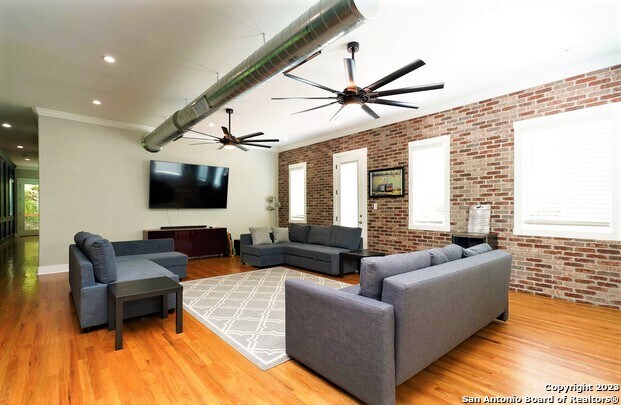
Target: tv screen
182,185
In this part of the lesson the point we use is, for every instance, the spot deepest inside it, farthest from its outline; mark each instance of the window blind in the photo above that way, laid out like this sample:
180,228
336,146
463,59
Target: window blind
297,192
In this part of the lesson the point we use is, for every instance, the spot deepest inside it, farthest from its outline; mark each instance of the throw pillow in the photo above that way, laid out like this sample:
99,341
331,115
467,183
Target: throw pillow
453,252
101,254
345,237
437,256
81,237
477,250
319,235
281,235
299,232
260,236
373,270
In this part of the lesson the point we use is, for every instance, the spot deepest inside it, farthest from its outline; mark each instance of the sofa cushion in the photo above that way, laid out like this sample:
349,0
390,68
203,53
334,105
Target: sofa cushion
281,235
373,270
101,254
164,259
453,252
345,237
477,250
260,236
261,250
316,252
140,270
299,232
319,235
437,256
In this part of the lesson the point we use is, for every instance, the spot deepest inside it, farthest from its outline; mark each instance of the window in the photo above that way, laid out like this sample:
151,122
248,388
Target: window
429,172
567,174
297,192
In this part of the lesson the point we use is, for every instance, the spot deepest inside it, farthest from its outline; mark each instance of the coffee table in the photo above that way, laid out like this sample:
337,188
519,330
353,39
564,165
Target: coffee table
352,259
120,293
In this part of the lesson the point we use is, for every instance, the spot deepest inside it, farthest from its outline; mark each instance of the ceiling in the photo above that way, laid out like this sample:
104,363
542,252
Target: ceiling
168,52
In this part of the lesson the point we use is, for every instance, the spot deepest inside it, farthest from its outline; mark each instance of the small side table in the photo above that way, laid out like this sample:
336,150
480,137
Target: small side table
467,240
352,259
120,293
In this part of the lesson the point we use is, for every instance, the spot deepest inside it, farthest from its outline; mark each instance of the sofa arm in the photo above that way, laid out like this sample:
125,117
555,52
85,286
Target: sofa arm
244,240
141,247
347,338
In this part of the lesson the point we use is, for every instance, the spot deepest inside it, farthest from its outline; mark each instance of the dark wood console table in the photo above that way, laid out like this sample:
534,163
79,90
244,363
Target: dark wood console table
194,242
467,240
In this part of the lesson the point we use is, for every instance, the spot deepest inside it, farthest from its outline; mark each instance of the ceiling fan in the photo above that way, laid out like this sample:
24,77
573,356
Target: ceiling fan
229,141
354,95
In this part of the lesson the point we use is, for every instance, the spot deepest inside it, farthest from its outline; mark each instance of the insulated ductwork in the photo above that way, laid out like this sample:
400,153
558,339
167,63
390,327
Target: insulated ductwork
320,25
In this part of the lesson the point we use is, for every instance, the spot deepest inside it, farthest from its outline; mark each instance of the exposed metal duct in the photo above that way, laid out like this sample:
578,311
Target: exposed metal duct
321,24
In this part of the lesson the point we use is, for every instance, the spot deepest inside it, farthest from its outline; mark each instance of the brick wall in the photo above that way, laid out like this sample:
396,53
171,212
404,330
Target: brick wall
481,173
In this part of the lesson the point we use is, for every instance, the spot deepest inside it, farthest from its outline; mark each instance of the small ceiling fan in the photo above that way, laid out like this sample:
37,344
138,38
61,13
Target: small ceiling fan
354,95
229,141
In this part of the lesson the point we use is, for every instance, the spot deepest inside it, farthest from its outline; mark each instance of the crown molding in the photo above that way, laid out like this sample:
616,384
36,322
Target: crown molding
44,112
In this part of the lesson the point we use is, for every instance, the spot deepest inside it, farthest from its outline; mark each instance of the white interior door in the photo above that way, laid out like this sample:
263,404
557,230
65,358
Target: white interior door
350,189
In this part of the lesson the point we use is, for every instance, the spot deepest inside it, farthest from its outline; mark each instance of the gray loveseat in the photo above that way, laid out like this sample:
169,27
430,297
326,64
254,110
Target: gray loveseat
419,312
310,247
133,260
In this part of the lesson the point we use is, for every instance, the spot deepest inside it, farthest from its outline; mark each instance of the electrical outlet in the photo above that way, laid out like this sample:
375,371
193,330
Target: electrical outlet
374,206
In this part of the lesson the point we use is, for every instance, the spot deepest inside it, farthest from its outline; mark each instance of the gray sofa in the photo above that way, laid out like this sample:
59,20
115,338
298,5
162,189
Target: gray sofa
310,247
134,260
368,346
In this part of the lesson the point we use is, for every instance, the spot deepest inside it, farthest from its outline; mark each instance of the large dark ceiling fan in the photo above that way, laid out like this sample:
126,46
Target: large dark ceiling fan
229,141
362,96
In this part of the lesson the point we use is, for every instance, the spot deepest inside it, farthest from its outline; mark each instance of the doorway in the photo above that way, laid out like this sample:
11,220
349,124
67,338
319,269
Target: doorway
350,189
27,207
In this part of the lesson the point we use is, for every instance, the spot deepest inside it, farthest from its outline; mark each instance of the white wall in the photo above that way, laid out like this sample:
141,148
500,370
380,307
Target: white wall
96,178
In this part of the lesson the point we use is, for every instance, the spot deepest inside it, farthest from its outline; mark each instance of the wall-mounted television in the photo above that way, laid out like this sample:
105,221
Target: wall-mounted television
183,185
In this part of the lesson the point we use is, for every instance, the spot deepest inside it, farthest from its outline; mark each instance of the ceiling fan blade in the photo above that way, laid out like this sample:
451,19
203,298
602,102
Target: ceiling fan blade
314,108
412,89
260,146
205,143
226,131
240,147
369,111
337,113
394,103
350,73
303,62
249,135
263,140
221,147
395,75
303,98
289,75
202,133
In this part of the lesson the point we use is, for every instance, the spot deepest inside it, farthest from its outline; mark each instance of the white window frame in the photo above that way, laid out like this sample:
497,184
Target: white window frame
443,142
292,167
559,229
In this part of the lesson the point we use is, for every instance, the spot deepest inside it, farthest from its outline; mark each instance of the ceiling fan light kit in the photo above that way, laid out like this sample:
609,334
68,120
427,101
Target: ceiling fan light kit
362,96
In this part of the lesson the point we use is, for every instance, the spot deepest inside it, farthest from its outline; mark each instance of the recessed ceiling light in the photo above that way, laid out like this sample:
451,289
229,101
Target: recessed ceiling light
285,139
210,124
108,59
96,102
20,147
26,158
6,125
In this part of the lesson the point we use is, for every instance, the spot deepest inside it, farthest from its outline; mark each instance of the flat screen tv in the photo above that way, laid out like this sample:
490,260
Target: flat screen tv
182,185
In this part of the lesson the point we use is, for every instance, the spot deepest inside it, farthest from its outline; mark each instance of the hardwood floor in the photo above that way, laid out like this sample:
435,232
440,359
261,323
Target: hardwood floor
45,358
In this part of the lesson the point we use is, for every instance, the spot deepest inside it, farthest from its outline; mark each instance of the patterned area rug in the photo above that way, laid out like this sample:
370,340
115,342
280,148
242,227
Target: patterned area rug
247,310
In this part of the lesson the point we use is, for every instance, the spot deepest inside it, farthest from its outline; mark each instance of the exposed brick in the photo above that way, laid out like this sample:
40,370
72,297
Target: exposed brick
585,271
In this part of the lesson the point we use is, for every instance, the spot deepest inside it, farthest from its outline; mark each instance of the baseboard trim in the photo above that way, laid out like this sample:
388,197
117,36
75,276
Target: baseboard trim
56,268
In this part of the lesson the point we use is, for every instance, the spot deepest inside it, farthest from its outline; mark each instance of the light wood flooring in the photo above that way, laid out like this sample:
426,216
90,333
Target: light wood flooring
45,358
